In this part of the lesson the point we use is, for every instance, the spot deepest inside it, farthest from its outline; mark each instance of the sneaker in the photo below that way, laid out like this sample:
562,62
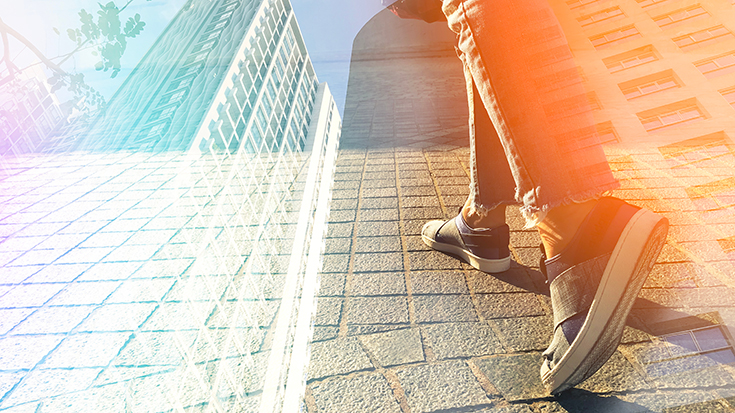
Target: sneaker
485,249
593,283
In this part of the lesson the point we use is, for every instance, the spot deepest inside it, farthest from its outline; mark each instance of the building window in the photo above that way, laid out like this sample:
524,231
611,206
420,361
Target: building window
630,59
729,95
708,341
600,16
649,84
671,115
575,4
162,113
703,37
606,132
174,97
717,66
204,46
616,36
680,16
650,3
712,149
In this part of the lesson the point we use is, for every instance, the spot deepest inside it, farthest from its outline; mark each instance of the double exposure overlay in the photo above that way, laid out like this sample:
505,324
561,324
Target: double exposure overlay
163,253
186,224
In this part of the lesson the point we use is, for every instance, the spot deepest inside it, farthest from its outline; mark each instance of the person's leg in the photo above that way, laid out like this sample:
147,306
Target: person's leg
478,234
528,81
492,186
601,249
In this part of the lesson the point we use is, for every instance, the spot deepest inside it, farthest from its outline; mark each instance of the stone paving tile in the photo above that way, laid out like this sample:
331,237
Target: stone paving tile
432,260
377,244
444,308
372,284
117,317
16,275
442,386
377,310
440,282
525,333
86,350
337,357
329,311
393,348
369,392
386,261
462,340
509,305
515,376
38,384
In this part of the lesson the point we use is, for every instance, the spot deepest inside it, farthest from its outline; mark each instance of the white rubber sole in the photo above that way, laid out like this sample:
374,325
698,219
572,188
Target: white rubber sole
482,264
632,258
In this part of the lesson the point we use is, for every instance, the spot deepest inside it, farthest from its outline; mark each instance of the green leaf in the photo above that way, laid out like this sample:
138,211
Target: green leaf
98,66
56,30
72,34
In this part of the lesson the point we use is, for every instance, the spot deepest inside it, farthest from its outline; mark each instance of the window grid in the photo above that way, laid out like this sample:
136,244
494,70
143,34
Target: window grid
600,16
675,117
648,88
575,4
650,3
702,37
680,16
729,95
609,38
643,56
692,341
718,66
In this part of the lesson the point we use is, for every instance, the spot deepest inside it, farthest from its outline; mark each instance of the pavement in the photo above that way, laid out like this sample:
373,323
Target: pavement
122,285
402,328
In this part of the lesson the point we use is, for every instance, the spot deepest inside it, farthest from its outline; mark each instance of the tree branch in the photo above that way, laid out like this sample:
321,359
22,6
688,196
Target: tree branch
51,65
6,56
125,6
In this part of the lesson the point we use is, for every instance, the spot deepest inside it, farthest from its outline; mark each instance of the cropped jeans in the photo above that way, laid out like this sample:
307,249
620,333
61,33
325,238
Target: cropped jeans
533,139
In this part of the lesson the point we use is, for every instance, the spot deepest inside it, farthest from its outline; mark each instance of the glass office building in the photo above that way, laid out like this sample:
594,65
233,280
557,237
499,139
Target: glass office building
198,203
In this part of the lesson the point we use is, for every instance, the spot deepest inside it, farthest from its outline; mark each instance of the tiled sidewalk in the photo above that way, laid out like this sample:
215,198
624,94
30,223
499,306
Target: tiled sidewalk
401,328
122,284
410,329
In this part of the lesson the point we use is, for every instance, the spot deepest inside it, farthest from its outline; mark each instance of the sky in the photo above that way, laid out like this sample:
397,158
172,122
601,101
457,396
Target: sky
328,27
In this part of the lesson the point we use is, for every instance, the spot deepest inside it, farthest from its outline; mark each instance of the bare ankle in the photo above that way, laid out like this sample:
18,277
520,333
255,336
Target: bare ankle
560,225
491,219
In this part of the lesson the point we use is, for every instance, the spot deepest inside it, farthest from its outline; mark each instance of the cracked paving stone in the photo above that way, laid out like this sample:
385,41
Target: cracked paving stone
443,386
335,357
395,347
365,393
453,340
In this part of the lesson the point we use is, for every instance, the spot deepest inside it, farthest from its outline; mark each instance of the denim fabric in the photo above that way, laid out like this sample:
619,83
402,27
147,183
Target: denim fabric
526,97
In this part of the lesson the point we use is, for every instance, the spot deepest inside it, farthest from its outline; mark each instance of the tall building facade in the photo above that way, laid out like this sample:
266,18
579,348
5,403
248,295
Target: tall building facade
229,92
224,75
658,70
29,114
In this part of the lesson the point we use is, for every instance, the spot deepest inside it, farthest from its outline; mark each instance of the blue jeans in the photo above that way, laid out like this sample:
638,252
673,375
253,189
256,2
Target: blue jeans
533,139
